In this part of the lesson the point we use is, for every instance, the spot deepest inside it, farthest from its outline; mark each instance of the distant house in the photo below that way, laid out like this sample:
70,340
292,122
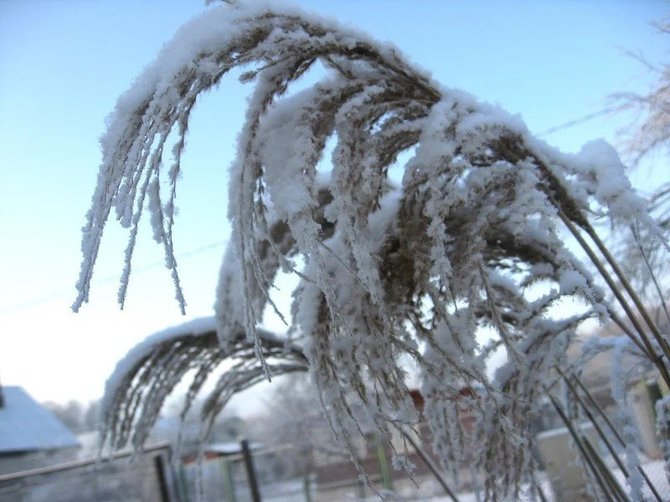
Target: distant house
30,435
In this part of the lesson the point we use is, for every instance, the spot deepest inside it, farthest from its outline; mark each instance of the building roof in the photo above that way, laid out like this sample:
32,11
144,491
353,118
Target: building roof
27,426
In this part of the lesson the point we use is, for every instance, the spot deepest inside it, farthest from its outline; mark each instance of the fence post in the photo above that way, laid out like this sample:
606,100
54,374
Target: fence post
384,465
183,484
159,466
251,473
307,488
228,483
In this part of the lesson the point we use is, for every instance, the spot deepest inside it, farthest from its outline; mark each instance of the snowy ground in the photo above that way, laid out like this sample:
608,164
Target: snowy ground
655,470
292,490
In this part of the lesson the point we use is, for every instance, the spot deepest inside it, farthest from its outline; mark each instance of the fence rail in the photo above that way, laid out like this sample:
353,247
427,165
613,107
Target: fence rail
143,477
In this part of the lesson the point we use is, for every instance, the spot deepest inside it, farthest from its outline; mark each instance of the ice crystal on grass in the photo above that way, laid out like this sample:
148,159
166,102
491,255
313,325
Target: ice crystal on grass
422,268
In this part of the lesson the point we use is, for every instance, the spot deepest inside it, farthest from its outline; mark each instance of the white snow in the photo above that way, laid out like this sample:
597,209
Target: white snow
196,327
419,269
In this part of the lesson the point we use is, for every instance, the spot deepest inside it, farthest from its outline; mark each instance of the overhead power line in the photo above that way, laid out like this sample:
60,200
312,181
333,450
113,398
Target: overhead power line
39,300
600,113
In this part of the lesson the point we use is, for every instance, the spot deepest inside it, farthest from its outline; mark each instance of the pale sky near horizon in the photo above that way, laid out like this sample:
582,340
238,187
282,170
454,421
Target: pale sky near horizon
63,64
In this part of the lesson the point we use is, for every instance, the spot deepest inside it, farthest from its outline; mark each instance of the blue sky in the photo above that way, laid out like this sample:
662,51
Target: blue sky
64,62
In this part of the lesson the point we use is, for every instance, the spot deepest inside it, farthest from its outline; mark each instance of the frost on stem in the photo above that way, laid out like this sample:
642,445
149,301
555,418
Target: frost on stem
417,268
145,376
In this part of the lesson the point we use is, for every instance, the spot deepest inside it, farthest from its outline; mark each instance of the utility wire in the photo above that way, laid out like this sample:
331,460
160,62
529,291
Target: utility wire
27,304
600,113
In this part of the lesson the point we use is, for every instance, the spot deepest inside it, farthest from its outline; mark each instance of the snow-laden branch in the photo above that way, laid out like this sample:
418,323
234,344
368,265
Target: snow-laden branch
419,267
143,379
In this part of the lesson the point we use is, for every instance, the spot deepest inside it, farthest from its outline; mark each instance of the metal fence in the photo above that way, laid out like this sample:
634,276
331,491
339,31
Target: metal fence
151,477
127,477
227,478
240,477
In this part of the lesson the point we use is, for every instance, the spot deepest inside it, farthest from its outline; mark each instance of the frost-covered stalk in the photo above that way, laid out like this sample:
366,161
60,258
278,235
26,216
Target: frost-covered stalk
146,375
425,266
607,433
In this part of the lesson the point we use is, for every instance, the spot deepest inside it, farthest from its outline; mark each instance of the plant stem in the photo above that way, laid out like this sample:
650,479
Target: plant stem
429,463
649,348
601,433
604,486
659,291
631,291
